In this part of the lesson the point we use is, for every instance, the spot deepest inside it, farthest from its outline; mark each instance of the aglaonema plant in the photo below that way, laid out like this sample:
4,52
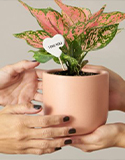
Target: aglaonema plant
82,30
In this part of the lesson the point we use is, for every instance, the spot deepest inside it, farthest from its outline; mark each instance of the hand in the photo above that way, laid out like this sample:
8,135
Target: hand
22,134
116,89
110,135
19,83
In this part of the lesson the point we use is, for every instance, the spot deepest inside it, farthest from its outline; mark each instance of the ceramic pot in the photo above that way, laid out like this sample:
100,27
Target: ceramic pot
84,98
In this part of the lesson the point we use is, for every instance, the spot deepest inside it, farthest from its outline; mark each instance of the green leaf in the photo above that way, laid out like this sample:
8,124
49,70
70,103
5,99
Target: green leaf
98,37
49,19
84,63
33,38
72,61
41,56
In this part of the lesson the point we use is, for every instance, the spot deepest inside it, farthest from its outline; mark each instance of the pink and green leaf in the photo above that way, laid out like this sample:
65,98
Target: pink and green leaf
97,13
110,18
76,14
98,38
80,27
49,19
33,38
87,12
66,19
75,31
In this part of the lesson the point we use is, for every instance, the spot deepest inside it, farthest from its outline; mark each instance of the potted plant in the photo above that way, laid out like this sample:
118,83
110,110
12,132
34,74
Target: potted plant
79,92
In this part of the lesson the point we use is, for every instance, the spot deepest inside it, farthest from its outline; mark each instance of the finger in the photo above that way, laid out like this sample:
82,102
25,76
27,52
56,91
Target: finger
39,73
85,139
40,85
96,67
51,132
37,151
38,97
45,121
28,108
44,144
19,67
87,148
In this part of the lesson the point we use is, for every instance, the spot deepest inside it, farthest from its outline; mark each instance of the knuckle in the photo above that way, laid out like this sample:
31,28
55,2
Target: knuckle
49,151
20,135
59,143
45,121
38,152
19,121
47,133
24,61
28,105
44,145
64,131
20,146
57,120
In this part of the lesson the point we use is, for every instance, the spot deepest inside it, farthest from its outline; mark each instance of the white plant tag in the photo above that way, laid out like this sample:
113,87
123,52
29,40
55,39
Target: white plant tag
52,45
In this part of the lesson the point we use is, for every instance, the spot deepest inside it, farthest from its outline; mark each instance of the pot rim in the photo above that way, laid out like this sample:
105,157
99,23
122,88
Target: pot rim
100,73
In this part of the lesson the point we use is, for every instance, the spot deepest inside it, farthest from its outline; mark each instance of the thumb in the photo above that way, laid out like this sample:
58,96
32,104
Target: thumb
20,67
23,109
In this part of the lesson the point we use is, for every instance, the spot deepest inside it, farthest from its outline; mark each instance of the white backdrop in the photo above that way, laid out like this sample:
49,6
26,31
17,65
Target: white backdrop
15,19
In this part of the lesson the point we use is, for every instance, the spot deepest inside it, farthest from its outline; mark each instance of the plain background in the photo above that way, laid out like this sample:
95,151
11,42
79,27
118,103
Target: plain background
15,19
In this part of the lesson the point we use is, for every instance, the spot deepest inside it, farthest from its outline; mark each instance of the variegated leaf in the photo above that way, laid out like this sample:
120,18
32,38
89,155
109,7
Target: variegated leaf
79,28
110,18
97,13
99,37
87,12
49,19
75,31
75,13
66,19
33,38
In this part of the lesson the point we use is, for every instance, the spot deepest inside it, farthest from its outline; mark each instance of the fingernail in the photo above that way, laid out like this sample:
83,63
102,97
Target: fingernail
69,141
57,148
37,107
71,131
65,119
34,60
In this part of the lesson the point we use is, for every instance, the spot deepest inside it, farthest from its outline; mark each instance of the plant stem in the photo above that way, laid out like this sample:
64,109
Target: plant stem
82,57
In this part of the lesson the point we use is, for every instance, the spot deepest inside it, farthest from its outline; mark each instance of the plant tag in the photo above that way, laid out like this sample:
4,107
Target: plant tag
52,45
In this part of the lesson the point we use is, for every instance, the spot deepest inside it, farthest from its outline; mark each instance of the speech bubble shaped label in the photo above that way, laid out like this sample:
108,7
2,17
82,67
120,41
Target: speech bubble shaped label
51,45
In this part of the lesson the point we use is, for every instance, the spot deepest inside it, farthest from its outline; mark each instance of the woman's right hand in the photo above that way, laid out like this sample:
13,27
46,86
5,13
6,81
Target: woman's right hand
116,89
27,134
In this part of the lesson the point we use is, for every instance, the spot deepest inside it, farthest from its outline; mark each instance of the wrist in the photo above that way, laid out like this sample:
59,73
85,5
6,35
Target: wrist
120,138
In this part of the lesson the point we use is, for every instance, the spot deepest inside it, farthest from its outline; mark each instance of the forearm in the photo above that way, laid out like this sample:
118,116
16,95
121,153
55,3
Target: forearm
121,135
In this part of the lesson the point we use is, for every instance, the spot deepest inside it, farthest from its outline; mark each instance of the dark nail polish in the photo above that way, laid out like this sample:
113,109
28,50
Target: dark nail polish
34,60
65,119
69,141
71,131
37,107
57,148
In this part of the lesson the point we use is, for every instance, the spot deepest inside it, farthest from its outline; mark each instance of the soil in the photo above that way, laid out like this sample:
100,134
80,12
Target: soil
65,73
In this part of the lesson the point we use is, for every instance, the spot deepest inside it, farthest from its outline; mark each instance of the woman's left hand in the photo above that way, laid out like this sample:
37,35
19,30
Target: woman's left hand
110,135
19,83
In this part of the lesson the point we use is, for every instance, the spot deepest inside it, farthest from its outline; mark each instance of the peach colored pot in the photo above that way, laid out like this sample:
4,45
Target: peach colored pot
84,98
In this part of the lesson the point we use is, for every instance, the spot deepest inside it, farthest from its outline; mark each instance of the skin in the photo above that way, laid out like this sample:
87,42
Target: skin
15,77
18,87
22,134
109,135
19,83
